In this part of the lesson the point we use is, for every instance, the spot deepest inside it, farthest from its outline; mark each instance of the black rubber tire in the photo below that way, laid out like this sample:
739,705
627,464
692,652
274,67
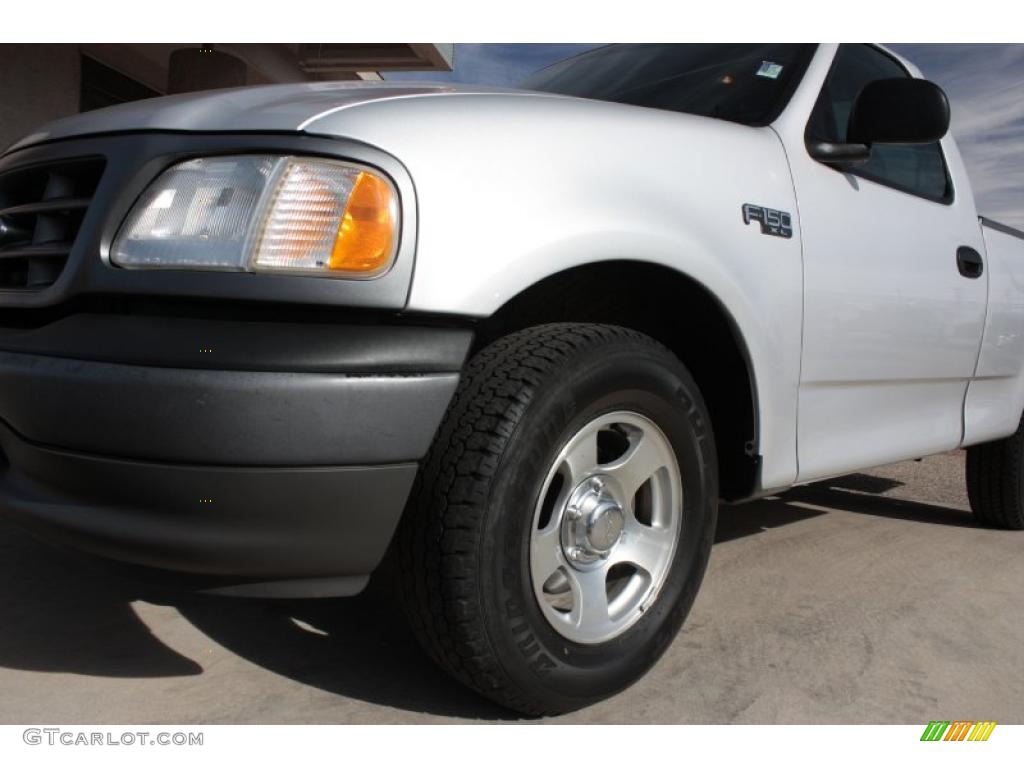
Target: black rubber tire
463,546
995,481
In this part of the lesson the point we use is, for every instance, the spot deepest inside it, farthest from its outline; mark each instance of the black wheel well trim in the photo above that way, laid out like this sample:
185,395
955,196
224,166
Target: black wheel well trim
531,306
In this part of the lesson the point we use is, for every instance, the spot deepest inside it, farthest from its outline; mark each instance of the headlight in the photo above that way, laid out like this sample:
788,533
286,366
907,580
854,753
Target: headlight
263,213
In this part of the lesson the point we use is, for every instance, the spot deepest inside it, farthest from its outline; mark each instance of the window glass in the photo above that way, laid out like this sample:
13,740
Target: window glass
916,168
744,83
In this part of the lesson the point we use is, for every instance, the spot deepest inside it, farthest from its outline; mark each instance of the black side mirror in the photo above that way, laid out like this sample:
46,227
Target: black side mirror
897,110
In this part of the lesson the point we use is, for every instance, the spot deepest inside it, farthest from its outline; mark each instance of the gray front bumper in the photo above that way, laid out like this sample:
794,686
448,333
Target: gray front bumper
244,476
222,417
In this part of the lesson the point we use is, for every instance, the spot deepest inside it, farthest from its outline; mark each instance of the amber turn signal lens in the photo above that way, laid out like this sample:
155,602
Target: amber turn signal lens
366,235
329,218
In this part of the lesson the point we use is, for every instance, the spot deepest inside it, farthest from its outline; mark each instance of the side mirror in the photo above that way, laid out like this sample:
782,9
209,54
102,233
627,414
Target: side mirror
898,111
892,111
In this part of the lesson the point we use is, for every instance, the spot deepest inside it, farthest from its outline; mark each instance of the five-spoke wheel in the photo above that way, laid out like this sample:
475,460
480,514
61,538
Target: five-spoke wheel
562,522
605,527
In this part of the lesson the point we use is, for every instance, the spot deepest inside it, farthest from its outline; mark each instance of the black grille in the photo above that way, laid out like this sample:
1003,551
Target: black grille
41,210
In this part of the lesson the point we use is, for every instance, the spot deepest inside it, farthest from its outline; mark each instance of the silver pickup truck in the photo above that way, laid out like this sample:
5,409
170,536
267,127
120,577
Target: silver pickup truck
521,340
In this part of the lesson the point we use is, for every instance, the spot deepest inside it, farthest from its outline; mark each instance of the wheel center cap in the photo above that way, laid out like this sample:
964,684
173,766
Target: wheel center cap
604,526
592,524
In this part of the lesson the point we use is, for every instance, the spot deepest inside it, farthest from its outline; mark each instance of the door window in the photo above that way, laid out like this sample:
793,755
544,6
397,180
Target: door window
919,169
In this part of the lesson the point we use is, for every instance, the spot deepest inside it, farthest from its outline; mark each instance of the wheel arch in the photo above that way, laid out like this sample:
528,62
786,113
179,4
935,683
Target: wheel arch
678,311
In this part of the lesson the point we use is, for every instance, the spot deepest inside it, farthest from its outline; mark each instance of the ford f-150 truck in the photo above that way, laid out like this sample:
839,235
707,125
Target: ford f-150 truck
522,341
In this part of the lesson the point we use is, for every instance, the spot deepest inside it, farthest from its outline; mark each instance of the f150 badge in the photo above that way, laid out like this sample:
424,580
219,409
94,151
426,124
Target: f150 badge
778,223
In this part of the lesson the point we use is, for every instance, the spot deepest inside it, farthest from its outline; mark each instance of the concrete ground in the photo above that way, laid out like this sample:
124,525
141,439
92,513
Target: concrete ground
868,599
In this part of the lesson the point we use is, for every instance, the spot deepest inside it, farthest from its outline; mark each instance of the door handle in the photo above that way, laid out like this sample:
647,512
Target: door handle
969,262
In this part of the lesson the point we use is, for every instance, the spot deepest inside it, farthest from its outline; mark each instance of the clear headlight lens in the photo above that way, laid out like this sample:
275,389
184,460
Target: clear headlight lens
263,213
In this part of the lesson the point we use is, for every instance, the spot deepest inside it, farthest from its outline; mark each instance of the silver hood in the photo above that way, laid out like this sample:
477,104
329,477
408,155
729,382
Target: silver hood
270,108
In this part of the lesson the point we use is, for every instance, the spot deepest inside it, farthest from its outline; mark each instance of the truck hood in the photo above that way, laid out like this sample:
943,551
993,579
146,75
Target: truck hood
269,108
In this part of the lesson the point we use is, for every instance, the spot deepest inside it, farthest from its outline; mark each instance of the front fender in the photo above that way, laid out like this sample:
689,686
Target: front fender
513,188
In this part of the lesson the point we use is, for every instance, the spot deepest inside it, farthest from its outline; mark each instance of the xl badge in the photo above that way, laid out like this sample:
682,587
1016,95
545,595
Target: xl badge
778,223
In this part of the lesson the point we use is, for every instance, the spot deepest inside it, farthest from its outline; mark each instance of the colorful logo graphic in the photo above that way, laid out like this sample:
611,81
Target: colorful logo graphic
959,730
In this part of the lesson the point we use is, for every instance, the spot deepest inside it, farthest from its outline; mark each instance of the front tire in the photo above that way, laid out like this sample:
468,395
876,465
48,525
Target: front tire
561,524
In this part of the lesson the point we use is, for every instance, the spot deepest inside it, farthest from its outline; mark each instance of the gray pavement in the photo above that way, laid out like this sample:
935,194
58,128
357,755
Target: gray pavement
868,599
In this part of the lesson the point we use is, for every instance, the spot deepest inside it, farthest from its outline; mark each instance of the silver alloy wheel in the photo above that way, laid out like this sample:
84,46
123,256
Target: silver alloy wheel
605,527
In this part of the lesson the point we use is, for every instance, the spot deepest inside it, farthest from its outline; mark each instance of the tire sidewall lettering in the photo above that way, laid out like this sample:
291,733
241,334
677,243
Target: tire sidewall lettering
663,391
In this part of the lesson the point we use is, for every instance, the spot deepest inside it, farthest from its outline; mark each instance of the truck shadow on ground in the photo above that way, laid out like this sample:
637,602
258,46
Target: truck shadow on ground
359,647
56,615
59,614
858,493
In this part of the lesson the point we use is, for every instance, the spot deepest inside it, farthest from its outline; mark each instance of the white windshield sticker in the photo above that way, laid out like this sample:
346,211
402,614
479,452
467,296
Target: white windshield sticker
770,70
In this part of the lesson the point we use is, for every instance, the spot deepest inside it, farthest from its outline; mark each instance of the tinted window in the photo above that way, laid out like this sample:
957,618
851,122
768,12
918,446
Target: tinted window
916,168
744,83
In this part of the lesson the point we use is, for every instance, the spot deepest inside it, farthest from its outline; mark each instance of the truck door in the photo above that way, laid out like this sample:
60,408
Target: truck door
892,323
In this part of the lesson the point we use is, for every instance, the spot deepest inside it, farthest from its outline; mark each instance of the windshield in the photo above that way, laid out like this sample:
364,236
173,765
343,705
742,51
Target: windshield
742,82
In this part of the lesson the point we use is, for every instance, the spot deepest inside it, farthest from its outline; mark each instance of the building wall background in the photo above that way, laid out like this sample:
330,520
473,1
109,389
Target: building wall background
38,83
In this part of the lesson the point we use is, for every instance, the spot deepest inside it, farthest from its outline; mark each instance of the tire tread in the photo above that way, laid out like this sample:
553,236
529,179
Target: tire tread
994,487
437,544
